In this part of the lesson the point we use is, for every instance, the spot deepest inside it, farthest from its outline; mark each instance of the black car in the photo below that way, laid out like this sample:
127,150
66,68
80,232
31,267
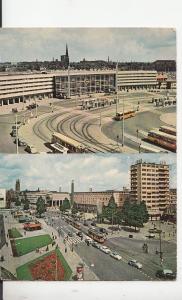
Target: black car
93,224
165,274
70,234
80,234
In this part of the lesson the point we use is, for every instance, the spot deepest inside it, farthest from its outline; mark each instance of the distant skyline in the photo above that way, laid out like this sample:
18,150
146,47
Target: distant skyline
122,44
100,172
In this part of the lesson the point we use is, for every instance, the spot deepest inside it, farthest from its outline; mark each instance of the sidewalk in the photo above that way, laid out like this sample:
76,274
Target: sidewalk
72,258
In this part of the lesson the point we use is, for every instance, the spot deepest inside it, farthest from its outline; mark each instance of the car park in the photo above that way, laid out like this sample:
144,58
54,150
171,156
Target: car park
115,255
135,263
105,249
166,274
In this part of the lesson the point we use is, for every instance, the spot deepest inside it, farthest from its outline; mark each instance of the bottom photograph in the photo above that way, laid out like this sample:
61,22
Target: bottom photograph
108,217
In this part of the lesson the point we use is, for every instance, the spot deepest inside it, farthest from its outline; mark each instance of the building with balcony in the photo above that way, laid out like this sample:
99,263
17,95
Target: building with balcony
150,183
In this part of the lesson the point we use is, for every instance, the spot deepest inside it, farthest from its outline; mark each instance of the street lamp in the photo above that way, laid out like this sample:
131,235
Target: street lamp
123,125
16,133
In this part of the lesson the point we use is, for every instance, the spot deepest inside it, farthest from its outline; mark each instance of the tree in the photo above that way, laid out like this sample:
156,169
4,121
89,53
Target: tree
135,214
110,211
26,203
65,205
40,206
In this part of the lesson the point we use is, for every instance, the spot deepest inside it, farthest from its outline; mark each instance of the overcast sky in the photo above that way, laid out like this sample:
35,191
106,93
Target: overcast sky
122,44
101,172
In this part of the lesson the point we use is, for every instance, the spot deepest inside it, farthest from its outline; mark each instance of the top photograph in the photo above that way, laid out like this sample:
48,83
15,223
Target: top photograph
87,90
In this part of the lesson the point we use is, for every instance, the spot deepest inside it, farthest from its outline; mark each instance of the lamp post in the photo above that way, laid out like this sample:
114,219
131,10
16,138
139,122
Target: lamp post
100,118
123,125
16,134
116,88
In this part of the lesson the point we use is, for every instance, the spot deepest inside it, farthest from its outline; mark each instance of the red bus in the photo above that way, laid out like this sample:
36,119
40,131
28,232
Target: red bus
162,139
32,226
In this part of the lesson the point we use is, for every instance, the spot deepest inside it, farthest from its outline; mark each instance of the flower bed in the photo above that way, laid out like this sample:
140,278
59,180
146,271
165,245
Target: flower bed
49,267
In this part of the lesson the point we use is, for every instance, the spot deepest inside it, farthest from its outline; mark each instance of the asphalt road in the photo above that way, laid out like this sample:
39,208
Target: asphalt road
83,127
143,121
107,268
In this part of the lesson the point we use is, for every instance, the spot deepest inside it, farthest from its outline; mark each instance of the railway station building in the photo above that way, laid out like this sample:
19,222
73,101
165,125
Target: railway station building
22,87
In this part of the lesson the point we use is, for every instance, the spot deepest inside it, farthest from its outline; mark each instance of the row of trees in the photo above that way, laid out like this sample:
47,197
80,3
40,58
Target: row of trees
131,214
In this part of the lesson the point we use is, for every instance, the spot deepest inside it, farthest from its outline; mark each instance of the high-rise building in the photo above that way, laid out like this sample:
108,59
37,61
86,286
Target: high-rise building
17,186
150,183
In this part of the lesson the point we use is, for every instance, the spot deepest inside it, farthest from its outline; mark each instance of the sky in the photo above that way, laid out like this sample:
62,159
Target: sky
122,44
99,172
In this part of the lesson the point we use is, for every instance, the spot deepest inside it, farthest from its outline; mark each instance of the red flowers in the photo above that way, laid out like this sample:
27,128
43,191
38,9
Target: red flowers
48,268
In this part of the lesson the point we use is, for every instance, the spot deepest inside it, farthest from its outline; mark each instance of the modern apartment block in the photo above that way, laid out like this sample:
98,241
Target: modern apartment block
150,183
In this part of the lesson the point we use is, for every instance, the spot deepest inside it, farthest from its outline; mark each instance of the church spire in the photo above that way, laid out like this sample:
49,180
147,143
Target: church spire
67,50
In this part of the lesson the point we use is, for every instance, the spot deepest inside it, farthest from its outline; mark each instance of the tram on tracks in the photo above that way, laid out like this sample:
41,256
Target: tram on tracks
162,139
127,115
60,143
148,149
168,130
96,236
89,104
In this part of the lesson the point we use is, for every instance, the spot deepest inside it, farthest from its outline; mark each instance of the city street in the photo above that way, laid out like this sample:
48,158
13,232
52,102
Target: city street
126,247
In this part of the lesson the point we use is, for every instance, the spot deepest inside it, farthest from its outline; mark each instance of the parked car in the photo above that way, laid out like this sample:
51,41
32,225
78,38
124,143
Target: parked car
31,149
20,143
151,236
135,263
155,230
96,245
165,274
89,241
116,255
93,224
105,249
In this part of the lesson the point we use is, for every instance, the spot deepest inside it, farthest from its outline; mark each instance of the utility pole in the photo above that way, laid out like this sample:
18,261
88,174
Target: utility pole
35,108
123,125
68,94
16,134
100,118
160,243
116,88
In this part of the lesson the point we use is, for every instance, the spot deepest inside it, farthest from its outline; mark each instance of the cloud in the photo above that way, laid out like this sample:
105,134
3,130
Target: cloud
102,172
124,44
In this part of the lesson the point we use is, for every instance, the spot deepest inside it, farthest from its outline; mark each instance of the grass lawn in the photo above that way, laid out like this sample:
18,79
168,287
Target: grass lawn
14,233
26,245
24,271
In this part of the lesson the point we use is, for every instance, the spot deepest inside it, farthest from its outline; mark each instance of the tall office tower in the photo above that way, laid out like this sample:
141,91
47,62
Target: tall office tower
150,183
17,186
72,192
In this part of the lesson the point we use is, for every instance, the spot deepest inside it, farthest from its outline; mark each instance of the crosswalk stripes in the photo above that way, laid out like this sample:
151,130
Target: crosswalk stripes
74,240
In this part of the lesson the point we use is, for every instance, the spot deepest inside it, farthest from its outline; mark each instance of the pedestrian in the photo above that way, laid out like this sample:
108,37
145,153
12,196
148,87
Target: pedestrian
65,250
7,235
7,244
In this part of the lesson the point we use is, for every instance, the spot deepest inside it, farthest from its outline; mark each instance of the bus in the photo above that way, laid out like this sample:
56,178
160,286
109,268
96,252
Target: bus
148,149
167,129
32,226
96,236
162,139
127,115
63,144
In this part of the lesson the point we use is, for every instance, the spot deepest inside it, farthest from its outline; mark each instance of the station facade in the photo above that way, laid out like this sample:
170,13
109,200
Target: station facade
16,87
